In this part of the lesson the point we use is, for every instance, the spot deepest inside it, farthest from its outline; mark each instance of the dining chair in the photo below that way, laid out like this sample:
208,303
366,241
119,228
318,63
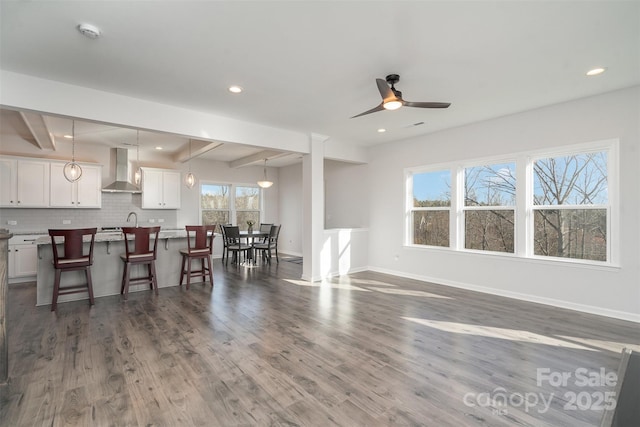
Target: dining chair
271,244
224,241
234,243
140,245
75,256
202,236
265,228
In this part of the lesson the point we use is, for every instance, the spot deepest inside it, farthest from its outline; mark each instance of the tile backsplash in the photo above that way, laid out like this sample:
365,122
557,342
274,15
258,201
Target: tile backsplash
114,211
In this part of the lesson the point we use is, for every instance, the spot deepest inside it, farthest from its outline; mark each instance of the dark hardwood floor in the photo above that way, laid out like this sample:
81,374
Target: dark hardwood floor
265,348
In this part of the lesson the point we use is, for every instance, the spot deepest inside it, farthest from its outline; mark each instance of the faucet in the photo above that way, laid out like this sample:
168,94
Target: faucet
135,215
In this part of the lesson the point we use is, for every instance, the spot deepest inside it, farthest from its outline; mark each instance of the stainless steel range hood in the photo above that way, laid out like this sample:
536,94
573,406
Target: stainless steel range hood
122,184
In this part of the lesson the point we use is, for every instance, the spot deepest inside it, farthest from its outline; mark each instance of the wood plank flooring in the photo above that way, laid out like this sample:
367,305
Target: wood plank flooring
265,348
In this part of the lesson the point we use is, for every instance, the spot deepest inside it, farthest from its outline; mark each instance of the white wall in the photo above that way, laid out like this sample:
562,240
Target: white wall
346,195
290,209
612,291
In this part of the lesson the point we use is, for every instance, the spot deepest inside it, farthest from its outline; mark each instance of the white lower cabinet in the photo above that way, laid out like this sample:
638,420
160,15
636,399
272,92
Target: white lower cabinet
23,257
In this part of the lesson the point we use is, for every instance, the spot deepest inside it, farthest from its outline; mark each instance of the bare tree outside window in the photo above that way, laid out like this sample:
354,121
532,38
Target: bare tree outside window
489,212
214,203
571,206
247,204
431,208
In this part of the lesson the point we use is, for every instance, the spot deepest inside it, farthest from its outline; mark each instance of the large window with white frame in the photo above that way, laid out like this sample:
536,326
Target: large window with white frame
230,204
489,207
571,206
562,205
430,207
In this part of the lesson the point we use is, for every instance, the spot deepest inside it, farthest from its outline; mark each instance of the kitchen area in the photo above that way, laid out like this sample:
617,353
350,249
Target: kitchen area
35,196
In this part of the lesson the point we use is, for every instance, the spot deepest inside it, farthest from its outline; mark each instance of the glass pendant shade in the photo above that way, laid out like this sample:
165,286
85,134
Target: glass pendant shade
190,180
72,171
265,183
137,176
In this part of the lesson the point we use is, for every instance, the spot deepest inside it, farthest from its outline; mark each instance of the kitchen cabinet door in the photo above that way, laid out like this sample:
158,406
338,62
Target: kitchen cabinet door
25,259
171,190
160,189
89,187
8,185
33,184
61,191
84,193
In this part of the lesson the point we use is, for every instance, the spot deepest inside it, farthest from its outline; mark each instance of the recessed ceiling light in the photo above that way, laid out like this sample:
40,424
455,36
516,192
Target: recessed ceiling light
89,30
596,71
235,89
67,136
381,130
158,148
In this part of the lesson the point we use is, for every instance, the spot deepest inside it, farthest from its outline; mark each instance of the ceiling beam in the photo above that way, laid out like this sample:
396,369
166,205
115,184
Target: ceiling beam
38,128
197,149
256,158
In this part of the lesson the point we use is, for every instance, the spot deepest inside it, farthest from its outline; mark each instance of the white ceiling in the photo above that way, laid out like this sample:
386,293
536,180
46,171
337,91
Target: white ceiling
311,65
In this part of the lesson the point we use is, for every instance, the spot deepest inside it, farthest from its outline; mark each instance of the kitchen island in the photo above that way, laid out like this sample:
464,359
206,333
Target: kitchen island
107,268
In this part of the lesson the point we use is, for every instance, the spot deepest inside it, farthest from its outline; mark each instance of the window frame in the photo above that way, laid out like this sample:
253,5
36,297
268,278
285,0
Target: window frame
410,209
524,208
464,208
232,200
611,147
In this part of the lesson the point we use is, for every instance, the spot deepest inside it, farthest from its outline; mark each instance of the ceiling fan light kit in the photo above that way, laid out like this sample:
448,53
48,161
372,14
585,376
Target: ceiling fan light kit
392,98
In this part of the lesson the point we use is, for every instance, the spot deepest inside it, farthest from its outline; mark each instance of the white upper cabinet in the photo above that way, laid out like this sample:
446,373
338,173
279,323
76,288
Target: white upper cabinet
84,193
8,185
160,189
24,183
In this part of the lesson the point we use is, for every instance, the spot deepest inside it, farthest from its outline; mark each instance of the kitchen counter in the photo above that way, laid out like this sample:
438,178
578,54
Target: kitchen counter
107,268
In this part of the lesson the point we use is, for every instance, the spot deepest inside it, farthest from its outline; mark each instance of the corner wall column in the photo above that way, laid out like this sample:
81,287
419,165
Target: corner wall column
313,208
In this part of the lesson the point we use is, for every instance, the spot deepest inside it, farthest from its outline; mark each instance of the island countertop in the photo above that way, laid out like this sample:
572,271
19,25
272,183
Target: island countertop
107,266
114,236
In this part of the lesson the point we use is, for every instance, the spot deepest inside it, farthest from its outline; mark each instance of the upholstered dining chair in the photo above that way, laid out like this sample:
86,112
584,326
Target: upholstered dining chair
75,256
269,245
202,237
140,245
234,243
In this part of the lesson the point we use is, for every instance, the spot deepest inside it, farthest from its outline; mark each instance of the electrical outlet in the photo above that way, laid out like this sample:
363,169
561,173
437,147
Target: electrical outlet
160,219
66,221
10,222
151,221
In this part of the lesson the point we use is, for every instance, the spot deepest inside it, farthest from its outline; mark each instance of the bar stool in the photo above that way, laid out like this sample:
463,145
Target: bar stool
75,257
140,244
201,249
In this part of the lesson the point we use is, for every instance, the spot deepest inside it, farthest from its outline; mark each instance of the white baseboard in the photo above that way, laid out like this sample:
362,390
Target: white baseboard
616,314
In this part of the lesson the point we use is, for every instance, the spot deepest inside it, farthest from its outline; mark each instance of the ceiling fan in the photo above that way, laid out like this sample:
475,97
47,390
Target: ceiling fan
392,98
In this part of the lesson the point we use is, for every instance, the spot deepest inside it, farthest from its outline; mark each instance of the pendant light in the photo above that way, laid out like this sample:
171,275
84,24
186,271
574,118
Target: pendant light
190,179
137,176
265,183
72,171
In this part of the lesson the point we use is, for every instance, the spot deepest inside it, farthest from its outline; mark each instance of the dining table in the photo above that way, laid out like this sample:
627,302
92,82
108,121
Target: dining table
251,237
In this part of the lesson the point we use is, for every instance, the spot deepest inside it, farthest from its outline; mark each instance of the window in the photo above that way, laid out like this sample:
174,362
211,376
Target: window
247,203
570,205
430,208
556,204
214,204
230,204
489,207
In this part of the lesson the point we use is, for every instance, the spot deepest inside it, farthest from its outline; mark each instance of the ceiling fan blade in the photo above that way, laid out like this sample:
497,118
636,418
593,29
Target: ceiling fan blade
427,104
385,90
373,110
